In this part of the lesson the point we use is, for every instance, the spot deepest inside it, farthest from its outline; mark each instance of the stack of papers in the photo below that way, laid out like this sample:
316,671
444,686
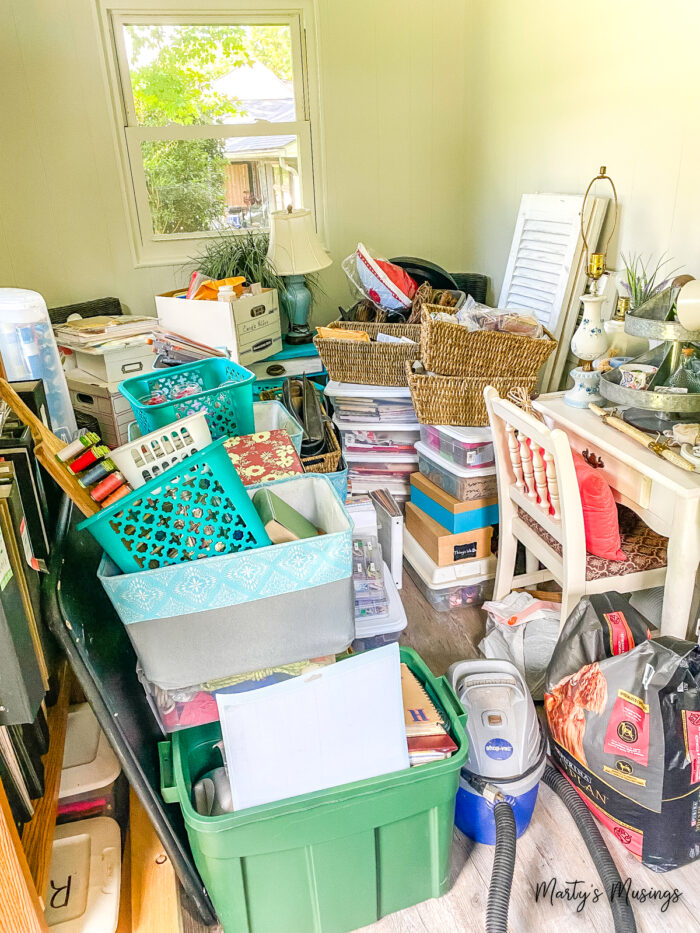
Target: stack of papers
108,330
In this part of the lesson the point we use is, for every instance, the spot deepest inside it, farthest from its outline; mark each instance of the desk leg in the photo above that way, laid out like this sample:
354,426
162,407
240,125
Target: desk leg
683,558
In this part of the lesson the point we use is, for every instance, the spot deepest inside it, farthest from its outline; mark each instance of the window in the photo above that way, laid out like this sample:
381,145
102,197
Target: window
214,124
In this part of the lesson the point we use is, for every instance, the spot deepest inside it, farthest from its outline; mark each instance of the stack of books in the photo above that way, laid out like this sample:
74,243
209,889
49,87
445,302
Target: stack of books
428,739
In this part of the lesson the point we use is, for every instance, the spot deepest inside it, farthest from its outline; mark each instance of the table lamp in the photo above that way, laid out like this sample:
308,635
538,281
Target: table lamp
590,340
295,251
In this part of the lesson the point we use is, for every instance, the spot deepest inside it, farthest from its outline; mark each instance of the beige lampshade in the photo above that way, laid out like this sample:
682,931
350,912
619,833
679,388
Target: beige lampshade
295,248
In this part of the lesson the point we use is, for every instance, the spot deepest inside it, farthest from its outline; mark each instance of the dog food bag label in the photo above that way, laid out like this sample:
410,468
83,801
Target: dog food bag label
625,729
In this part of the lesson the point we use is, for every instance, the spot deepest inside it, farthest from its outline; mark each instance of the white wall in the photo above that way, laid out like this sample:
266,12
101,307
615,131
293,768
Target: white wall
394,97
561,88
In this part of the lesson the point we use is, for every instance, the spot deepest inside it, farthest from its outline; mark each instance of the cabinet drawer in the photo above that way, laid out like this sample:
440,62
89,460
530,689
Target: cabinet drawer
627,481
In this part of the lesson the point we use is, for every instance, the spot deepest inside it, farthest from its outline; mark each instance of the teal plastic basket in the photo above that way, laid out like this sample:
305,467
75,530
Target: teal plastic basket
198,508
226,395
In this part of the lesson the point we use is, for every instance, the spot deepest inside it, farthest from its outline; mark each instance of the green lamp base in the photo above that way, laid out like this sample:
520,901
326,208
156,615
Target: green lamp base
297,303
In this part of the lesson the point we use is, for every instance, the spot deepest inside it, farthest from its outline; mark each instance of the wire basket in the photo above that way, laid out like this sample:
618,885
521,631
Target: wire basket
328,462
453,350
221,389
198,508
374,363
458,400
148,456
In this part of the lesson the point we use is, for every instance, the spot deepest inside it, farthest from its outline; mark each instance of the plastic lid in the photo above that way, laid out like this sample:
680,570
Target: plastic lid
434,577
344,426
22,306
395,621
356,390
89,763
465,435
85,877
449,466
357,457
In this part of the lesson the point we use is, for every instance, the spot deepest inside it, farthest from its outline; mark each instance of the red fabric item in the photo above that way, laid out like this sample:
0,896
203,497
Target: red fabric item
600,519
400,278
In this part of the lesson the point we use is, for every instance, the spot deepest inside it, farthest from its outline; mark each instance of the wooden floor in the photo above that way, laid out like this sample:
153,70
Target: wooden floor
550,848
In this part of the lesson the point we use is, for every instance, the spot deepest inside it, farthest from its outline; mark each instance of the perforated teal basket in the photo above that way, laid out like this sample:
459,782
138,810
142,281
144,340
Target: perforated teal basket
198,508
226,396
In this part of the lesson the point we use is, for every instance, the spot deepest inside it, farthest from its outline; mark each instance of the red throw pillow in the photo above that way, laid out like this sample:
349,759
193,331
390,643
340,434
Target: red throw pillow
600,521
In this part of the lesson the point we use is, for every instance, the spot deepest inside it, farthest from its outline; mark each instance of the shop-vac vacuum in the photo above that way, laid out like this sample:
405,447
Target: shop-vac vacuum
500,779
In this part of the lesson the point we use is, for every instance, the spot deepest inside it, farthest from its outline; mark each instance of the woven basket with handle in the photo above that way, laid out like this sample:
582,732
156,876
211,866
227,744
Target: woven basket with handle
376,364
458,400
453,350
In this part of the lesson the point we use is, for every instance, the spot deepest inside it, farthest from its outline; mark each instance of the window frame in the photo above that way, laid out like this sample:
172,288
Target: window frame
149,248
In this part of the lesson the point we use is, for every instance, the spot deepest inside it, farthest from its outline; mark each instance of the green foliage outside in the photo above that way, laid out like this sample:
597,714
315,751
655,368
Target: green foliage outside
172,69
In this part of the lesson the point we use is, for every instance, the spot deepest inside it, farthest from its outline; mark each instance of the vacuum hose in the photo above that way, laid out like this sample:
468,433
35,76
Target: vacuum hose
503,866
623,915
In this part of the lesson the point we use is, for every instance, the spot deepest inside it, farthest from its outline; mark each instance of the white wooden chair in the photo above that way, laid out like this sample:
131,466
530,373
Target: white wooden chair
540,506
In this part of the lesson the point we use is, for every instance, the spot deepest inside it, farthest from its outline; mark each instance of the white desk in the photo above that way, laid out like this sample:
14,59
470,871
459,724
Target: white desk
664,496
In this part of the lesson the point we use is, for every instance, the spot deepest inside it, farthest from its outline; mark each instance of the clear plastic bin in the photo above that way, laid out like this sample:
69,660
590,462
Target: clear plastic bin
470,448
463,484
381,467
452,587
353,402
365,437
90,769
371,633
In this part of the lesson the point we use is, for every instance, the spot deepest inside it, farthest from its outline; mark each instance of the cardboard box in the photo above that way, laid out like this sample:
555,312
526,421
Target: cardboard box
441,546
248,327
117,363
105,402
455,515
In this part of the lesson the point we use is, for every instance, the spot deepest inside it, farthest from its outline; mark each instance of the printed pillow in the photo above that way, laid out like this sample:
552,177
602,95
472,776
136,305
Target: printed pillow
600,521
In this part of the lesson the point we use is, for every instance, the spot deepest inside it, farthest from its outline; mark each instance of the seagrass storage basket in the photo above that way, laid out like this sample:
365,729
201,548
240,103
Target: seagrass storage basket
328,462
453,350
458,400
376,364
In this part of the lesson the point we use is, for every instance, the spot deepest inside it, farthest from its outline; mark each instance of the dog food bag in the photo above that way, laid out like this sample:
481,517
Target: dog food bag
624,718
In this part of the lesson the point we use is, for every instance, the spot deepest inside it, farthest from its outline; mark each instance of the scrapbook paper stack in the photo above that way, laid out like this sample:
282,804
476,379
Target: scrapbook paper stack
264,457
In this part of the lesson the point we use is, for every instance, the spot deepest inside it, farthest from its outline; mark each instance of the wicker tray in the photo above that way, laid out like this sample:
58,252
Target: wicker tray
452,350
458,400
328,462
375,364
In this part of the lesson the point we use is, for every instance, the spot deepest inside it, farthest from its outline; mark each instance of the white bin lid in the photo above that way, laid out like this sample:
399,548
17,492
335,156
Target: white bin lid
412,427
372,457
465,435
395,621
439,578
450,466
89,762
85,877
356,390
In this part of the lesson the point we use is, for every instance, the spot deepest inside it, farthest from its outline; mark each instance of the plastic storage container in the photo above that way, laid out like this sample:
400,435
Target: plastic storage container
452,587
364,437
463,484
243,612
225,394
85,877
147,457
198,508
467,447
371,633
332,860
379,467
29,351
273,416
375,404
90,768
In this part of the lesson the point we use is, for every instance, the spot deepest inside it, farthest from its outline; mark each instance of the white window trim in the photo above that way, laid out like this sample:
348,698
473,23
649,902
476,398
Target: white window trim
149,249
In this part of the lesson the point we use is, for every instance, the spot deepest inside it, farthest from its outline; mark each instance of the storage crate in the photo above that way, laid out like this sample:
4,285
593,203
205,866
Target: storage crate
225,395
369,363
329,861
149,455
245,611
196,509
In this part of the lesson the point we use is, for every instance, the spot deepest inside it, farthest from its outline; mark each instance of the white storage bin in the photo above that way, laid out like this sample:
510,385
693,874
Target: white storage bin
464,484
367,437
273,416
378,467
375,404
146,457
90,767
85,877
450,587
104,401
116,363
469,448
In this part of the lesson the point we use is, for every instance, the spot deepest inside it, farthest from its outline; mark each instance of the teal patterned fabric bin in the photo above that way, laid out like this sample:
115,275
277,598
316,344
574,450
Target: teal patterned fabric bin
226,615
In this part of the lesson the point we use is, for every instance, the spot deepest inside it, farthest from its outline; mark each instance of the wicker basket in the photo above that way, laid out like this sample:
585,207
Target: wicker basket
375,364
458,400
328,462
452,350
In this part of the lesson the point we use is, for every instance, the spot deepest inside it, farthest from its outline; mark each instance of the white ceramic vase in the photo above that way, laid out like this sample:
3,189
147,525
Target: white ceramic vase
590,340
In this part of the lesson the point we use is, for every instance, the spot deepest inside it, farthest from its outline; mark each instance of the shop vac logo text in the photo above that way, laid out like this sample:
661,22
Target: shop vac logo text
582,893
